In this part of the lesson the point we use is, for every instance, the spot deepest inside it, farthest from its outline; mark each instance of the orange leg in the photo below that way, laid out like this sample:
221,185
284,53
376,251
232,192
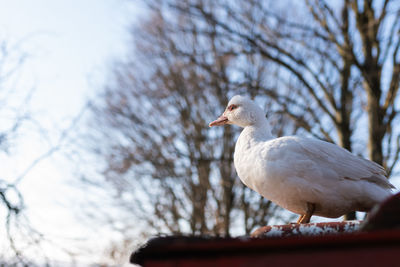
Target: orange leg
300,219
306,217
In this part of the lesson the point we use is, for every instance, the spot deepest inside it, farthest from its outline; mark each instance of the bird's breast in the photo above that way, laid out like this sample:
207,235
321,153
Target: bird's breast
259,168
252,169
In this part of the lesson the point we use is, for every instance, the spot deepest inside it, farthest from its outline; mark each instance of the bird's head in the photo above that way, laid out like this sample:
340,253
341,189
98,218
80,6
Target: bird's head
240,111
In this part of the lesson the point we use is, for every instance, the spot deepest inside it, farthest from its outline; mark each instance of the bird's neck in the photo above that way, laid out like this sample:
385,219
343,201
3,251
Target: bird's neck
258,132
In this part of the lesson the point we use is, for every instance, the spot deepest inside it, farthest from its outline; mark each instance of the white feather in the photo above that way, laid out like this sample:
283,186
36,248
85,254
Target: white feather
292,171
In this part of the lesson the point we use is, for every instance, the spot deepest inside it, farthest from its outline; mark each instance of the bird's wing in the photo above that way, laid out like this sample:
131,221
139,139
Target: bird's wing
345,164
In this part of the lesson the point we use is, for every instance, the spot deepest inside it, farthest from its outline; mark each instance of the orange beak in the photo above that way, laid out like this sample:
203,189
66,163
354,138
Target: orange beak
220,121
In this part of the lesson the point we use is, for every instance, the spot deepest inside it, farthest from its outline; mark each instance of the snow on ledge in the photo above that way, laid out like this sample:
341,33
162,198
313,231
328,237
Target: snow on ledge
309,229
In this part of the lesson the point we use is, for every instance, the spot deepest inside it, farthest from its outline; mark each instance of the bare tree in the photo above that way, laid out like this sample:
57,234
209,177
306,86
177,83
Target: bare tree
335,61
156,147
332,70
12,117
15,116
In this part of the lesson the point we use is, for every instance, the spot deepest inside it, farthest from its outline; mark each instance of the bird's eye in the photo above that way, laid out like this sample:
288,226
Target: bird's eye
232,107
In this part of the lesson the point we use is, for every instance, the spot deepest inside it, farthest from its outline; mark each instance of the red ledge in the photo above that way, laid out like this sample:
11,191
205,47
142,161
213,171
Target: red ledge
376,242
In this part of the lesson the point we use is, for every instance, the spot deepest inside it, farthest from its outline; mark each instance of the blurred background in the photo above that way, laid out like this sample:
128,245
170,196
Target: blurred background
105,105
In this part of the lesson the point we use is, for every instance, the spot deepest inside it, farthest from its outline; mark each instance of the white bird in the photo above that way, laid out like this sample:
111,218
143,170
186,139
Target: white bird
306,176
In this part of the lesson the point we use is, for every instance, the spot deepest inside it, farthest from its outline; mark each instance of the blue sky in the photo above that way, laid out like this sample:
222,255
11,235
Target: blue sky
70,46
68,42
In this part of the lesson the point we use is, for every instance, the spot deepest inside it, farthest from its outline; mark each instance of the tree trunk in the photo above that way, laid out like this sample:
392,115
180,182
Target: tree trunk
375,121
343,116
